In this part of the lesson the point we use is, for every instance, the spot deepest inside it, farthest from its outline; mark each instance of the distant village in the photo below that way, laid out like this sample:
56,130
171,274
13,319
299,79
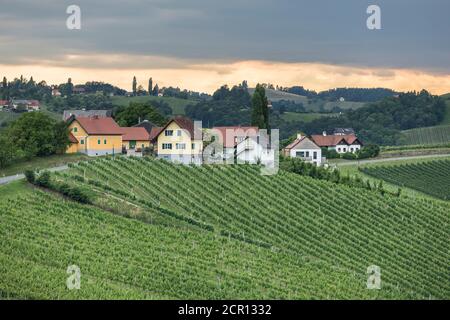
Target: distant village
96,133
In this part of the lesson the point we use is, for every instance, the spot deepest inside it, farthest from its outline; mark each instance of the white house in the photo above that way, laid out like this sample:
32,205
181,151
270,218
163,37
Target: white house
338,142
243,145
305,149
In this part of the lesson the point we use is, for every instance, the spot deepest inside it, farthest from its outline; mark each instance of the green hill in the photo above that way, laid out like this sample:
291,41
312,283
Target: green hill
176,104
119,258
347,228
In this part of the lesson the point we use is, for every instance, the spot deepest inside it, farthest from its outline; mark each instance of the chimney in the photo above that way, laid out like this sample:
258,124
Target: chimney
324,133
299,136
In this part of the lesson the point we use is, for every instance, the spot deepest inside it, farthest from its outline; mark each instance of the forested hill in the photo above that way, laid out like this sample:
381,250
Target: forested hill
381,122
349,94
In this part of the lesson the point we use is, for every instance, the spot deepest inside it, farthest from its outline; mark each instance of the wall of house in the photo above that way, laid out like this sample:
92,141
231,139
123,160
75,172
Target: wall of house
309,153
139,144
81,135
343,148
180,138
72,148
109,144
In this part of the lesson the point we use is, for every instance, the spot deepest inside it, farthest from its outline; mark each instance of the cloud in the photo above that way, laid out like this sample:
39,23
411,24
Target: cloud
207,77
322,31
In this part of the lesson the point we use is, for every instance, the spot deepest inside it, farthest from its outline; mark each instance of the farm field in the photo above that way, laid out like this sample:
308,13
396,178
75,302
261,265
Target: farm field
305,117
431,177
352,168
309,220
176,104
427,135
311,105
123,258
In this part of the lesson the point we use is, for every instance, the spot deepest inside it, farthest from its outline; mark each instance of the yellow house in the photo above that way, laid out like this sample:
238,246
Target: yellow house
95,136
179,141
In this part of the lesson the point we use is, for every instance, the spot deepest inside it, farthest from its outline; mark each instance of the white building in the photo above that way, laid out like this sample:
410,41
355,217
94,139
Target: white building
243,145
305,149
338,142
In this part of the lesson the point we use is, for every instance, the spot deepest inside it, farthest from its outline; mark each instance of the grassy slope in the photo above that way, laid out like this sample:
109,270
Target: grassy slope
176,104
128,259
348,228
41,163
305,117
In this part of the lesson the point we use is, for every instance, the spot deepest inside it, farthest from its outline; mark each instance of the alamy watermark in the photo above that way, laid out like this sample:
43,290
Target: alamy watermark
73,282
374,277
374,20
73,22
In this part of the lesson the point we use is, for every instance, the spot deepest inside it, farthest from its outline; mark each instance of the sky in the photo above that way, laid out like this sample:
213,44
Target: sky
203,44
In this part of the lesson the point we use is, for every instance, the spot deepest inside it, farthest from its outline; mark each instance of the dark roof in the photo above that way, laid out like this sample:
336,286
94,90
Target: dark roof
86,113
98,126
344,131
146,124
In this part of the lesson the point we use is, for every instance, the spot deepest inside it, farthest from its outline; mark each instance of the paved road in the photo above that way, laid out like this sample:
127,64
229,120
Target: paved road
5,180
353,163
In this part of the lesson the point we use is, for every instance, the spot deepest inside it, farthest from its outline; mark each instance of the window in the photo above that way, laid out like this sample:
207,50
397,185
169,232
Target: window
345,149
351,149
307,154
193,146
98,141
75,129
339,149
104,141
179,133
168,133
315,155
142,145
301,154
181,146
167,146
82,141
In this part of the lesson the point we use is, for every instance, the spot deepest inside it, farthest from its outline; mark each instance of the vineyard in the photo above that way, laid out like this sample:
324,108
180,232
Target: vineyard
297,217
425,136
430,177
119,258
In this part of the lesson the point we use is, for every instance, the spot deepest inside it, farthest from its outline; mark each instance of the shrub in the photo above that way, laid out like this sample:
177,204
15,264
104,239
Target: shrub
44,180
349,156
30,176
74,193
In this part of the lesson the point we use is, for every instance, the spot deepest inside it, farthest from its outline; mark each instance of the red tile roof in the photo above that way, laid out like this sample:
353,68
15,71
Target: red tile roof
72,138
135,133
3,102
100,126
227,135
331,141
154,132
